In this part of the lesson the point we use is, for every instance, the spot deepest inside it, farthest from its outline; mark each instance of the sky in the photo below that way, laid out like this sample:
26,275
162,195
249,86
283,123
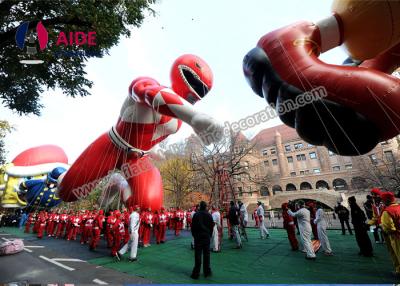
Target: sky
221,32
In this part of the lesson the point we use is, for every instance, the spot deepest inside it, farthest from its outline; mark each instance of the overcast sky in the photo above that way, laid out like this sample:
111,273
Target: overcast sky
221,32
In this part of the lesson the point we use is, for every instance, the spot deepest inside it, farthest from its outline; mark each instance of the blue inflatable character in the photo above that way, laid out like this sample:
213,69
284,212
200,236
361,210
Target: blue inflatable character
41,194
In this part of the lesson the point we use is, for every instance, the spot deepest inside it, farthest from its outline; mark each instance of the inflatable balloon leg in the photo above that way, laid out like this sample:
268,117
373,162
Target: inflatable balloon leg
34,163
347,108
150,113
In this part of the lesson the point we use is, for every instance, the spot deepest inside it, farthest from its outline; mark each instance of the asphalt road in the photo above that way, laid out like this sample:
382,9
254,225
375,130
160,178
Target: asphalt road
58,261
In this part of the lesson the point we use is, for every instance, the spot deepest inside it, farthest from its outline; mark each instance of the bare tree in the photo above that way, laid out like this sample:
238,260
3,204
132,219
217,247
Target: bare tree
381,169
223,167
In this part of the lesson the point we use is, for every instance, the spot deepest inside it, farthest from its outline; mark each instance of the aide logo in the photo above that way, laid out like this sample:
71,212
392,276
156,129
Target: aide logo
26,38
31,50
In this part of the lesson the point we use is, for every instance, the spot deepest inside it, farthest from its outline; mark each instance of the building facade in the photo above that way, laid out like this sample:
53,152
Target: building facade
296,169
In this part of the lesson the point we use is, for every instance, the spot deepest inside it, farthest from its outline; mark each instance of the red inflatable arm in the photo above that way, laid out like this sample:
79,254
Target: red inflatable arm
358,99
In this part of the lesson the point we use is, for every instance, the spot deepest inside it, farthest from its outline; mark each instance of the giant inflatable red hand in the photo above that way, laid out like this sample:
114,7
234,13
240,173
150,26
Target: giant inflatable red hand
358,106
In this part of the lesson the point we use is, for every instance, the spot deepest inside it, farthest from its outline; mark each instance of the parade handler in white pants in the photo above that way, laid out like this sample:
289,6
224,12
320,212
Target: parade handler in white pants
217,231
321,223
134,223
263,228
303,219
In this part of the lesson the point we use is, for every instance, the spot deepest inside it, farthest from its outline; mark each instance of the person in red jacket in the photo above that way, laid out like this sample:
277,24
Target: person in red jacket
84,216
171,222
31,220
75,221
189,219
161,226
125,217
147,224
255,216
289,225
179,216
88,228
50,223
118,232
62,224
36,224
109,226
56,220
313,211
97,227
42,224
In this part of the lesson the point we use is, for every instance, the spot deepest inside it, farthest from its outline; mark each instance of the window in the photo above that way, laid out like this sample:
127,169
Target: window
310,145
313,155
265,152
290,159
336,168
240,189
389,155
288,148
331,153
301,172
317,171
386,142
298,146
373,158
301,157
274,162
266,163
348,166
292,174
273,151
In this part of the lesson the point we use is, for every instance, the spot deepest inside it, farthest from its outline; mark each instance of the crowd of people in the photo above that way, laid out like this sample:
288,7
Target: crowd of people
132,228
116,226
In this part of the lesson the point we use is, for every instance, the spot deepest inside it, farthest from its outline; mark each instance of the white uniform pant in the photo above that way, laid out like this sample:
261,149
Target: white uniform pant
323,238
236,235
305,235
215,239
263,229
132,243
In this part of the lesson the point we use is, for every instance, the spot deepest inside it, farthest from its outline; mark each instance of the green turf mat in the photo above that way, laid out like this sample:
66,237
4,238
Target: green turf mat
260,261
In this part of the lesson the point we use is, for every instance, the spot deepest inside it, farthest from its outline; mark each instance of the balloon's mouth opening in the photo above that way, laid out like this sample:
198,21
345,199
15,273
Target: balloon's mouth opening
193,81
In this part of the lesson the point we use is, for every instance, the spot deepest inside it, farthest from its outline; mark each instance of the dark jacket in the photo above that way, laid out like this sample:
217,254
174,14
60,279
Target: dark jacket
233,216
358,217
202,225
343,213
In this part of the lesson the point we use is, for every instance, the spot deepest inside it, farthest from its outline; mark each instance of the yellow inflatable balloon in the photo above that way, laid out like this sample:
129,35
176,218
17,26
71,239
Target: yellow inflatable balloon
370,27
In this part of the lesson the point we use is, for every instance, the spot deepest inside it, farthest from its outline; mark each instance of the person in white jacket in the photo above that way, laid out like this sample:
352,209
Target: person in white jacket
134,223
217,231
263,228
303,220
321,223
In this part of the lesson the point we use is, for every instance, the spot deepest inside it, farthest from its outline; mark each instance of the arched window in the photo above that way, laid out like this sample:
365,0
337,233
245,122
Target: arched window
290,187
264,191
305,186
321,184
339,184
276,189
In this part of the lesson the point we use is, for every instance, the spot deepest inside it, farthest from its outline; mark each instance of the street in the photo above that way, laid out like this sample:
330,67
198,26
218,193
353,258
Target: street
58,261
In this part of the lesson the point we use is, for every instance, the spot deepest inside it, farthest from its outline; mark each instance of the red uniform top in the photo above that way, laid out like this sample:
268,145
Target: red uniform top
147,218
394,212
179,215
98,221
118,227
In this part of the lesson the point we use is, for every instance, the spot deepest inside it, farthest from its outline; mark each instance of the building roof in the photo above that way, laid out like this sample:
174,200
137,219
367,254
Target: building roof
266,137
